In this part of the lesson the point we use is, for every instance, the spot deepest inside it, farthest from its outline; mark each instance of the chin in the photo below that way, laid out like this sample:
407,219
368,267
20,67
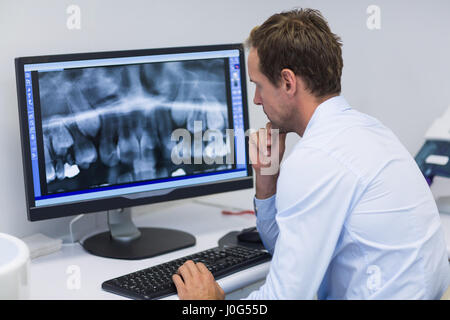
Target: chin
280,127
275,125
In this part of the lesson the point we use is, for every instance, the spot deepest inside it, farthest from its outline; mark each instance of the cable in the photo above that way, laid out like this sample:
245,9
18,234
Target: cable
237,213
71,223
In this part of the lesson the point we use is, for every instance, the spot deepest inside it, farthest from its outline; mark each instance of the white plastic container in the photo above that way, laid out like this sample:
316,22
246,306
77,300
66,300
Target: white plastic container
14,268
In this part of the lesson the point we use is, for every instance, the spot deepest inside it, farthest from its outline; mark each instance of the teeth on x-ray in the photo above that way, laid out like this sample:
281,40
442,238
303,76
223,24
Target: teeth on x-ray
144,170
84,150
69,159
124,178
50,173
59,168
108,148
128,144
178,172
61,138
86,118
71,171
215,149
164,130
114,124
215,120
179,116
147,145
196,121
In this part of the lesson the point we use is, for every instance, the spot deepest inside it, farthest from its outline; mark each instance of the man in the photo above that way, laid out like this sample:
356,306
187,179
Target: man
349,214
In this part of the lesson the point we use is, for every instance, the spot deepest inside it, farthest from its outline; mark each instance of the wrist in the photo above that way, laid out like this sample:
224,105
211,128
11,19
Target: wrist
264,195
265,186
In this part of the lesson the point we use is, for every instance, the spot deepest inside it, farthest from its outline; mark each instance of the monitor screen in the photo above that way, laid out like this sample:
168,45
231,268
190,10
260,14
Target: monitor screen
117,129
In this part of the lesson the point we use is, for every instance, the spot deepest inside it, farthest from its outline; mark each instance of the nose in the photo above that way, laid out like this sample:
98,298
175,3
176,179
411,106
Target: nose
257,98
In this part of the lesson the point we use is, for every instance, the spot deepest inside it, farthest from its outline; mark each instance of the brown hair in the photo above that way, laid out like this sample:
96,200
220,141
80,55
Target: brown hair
302,41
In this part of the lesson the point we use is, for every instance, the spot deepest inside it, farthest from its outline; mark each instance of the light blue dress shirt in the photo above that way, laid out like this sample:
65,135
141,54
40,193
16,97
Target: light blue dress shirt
353,217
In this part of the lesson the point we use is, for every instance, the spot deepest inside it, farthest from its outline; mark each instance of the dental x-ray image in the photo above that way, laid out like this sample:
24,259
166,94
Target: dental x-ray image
111,125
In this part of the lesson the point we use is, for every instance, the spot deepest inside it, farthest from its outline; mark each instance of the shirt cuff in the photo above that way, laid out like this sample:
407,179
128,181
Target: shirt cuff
265,208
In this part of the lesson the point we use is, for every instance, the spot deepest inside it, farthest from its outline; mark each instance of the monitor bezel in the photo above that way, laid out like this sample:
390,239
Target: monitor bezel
89,206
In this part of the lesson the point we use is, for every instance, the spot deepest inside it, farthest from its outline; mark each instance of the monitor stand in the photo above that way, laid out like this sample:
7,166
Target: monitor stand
125,241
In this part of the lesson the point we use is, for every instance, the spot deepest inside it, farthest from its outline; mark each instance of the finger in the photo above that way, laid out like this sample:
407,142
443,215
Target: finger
179,284
185,272
202,268
274,138
178,281
269,127
192,267
254,148
192,270
262,136
259,151
263,144
253,138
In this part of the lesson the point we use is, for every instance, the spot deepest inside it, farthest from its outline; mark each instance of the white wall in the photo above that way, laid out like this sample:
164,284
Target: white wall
399,74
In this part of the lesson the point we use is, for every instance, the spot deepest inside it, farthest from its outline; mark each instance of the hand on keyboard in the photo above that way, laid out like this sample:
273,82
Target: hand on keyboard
195,282
158,281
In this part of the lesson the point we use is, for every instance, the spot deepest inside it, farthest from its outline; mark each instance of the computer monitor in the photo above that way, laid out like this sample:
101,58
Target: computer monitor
107,131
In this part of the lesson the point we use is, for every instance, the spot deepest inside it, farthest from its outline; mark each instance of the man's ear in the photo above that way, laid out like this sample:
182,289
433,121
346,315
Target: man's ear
289,81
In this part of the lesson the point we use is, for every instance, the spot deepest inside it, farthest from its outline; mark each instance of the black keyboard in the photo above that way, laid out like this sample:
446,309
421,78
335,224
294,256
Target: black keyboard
156,282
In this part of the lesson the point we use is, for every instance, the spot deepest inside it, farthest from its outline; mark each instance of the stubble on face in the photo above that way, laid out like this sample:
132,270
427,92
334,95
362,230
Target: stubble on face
267,94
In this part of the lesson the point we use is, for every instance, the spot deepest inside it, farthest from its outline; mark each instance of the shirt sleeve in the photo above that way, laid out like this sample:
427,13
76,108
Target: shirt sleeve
265,222
315,193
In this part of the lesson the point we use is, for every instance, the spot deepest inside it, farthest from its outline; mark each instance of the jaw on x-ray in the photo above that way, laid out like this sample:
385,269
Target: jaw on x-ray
111,125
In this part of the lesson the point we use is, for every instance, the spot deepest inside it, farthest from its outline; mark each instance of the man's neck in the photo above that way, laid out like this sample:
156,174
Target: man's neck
306,108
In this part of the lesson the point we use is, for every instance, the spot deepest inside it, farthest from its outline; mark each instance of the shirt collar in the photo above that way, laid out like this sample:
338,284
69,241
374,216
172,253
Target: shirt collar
329,106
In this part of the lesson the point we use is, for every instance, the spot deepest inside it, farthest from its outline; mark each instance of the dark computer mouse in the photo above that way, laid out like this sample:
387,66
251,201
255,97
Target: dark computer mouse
249,235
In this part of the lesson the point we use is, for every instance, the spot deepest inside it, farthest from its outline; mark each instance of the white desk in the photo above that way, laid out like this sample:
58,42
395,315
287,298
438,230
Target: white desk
51,275
54,276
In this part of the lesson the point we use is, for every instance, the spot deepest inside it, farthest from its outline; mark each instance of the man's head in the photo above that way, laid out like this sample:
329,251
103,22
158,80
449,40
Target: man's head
300,40
290,53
